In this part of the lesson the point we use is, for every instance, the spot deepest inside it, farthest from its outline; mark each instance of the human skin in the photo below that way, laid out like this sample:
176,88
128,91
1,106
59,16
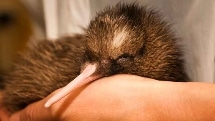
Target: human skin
128,98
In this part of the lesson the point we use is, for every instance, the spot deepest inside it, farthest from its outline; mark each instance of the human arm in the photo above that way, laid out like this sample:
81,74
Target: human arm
128,97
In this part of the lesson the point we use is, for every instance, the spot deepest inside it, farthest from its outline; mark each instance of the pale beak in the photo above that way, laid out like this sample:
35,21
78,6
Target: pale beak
84,78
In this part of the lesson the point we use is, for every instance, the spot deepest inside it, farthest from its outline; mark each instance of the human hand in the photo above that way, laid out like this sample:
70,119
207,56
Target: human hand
128,97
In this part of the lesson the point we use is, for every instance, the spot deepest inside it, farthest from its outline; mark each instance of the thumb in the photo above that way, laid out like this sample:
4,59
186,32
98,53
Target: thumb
33,112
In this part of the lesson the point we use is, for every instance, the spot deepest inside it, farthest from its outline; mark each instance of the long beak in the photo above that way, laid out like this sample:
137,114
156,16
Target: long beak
84,78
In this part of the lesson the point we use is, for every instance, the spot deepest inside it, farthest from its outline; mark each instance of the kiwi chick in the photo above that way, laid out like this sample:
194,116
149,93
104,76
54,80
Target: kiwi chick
126,38
41,70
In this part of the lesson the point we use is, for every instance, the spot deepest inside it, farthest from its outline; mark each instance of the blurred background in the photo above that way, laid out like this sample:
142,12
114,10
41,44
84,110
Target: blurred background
25,22
17,29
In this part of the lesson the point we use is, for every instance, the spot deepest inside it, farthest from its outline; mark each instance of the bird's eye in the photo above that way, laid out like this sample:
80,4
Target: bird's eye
124,58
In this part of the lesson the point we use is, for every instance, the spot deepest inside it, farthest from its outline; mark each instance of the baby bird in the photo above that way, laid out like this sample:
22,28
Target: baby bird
124,39
128,39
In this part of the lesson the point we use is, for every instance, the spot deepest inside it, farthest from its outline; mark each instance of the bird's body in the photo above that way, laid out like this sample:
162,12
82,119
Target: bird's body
41,70
126,39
